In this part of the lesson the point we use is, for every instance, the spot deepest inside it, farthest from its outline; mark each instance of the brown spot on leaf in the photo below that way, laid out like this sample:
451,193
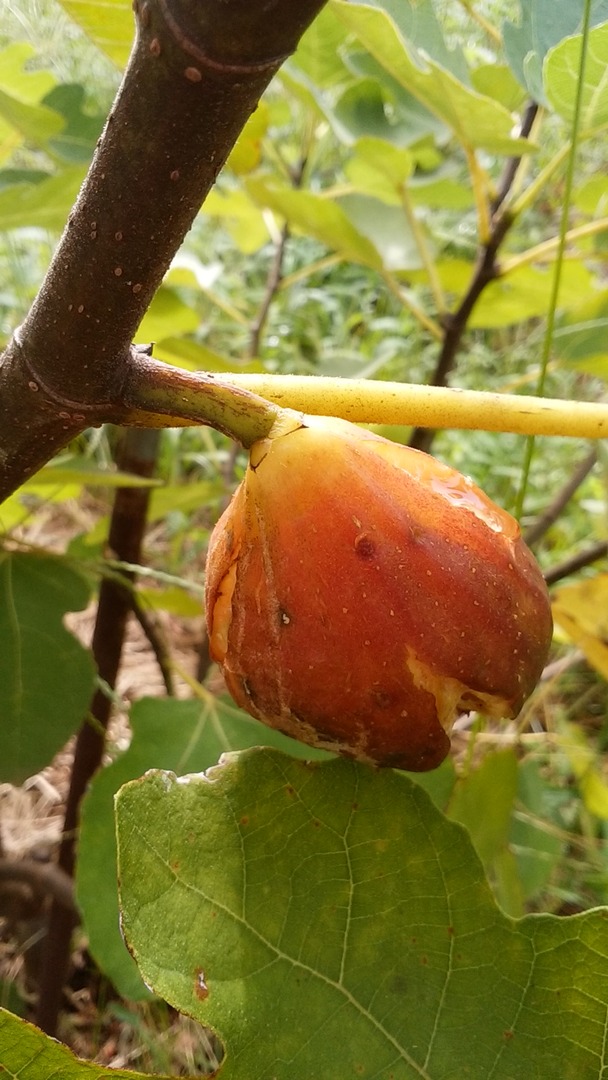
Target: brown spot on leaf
200,986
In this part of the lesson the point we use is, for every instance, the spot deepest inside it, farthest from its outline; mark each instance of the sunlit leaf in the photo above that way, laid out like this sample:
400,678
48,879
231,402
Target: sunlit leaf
167,315
582,611
184,352
318,53
19,84
328,922
497,81
523,294
35,123
247,151
587,768
379,169
171,599
581,338
79,474
592,196
77,139
110,26
543,24
243,219
45,205
418,24
319,217
477,121
561,75
387,227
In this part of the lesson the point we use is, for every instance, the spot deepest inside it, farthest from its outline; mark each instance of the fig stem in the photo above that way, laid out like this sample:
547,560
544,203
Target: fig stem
366,402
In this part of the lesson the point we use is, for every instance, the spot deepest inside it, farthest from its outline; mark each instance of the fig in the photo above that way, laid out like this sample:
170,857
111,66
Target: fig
360,595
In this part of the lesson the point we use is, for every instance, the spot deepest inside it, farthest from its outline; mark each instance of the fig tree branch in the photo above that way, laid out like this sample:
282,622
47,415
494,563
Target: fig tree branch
374,402
486,270
196,73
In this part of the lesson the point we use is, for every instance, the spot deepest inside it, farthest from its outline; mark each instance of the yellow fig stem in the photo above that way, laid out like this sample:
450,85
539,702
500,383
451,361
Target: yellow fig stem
366,402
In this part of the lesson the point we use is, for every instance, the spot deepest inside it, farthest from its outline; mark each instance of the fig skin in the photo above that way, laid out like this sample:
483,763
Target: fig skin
360,595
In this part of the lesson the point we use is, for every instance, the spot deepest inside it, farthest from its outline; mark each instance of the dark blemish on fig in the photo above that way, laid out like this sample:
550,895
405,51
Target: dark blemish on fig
254,468
365,547
284,617
383,698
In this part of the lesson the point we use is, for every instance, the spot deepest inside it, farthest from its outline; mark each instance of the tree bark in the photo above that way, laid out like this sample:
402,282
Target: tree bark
196,73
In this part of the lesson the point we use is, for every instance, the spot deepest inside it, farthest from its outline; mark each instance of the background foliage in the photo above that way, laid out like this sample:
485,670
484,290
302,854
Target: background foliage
404,146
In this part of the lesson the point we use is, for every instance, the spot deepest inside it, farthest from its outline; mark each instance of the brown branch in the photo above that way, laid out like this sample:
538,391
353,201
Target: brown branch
272,284
196,72
137,455
486,270
156,641
44,879
275,271
552,512
577,562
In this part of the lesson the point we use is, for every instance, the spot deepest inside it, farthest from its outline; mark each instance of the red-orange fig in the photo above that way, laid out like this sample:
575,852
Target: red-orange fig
360,595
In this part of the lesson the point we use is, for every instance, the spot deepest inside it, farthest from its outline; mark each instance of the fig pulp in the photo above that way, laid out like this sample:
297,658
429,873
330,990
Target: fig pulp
360,595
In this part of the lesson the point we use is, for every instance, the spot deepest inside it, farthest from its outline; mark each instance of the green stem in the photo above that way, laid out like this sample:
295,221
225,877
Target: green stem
158,395
563,234
424,251
365,402
547,248
405,297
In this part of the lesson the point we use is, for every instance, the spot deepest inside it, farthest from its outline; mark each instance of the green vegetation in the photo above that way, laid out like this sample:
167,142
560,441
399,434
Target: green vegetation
420,197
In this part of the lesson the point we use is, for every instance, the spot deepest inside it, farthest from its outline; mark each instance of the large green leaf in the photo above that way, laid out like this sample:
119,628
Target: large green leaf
44,205
21,90
76,141
543,24
329,922
561,75
318,53
418,24
581,338
475,120
185,736
316,216
388,229
27,1054
109,25
35,123
167,315
46,676
522,294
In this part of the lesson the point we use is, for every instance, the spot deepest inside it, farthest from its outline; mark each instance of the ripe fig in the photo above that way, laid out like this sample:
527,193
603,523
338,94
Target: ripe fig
360,595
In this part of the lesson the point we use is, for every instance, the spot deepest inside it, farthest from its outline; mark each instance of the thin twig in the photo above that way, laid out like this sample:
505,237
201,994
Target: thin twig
506,181
47,879
275,271
552,512
577,562
137,454
272,284
156,641
486,270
